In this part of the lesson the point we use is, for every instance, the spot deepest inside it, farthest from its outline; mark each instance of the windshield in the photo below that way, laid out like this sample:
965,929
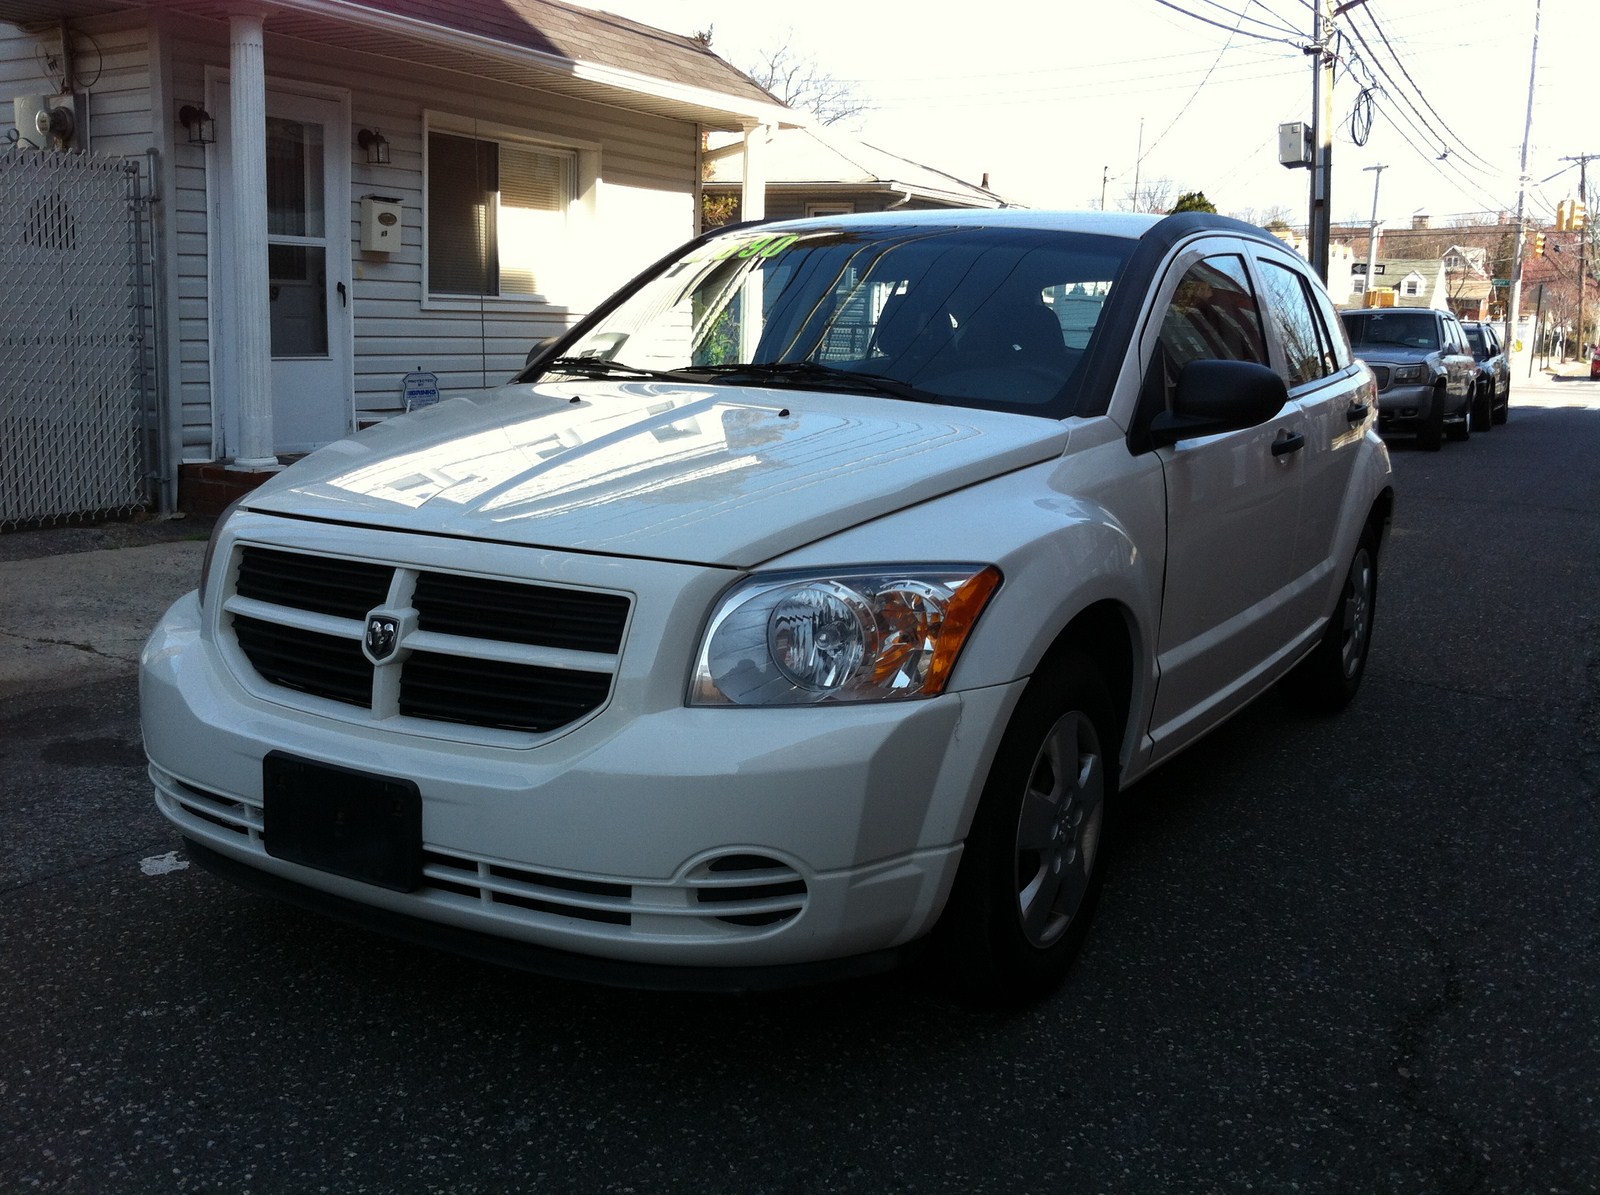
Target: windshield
1402,329
983,317
1475,340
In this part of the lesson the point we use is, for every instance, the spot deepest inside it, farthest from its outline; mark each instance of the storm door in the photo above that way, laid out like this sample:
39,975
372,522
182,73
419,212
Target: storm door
308,267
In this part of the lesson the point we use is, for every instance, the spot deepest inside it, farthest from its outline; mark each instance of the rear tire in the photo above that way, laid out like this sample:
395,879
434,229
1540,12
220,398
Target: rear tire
1328,678
1033,864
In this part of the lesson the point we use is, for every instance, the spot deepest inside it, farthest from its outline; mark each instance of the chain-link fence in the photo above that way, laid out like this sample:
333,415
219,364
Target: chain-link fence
73,439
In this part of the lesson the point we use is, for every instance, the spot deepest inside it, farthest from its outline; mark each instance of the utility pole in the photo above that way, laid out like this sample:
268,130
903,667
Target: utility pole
1513,307
1320,226
1583,234
1138,156
1372,235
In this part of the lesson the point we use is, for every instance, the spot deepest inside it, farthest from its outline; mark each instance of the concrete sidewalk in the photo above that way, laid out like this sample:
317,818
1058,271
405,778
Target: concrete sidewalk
70,618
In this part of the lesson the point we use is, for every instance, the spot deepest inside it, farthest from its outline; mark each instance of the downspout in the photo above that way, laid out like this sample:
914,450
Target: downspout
905,196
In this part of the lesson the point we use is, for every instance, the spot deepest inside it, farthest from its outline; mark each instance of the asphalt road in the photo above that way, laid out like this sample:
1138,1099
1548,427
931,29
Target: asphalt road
1352,954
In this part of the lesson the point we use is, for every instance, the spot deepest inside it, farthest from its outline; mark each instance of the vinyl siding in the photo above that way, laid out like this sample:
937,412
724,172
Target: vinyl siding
641,204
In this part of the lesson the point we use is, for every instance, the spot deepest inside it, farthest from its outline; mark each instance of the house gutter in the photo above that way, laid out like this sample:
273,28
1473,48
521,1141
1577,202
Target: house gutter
587,72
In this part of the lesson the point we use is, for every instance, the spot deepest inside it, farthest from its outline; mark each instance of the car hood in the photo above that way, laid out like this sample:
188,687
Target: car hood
721,475
1397,354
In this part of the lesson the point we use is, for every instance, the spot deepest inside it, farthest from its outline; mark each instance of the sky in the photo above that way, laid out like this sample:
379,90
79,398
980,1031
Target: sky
1059,101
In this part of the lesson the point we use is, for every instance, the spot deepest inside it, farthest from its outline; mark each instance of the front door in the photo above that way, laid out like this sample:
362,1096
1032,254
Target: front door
308,266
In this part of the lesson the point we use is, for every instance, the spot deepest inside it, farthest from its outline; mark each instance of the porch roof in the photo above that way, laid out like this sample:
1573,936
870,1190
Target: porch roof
543,44
815,159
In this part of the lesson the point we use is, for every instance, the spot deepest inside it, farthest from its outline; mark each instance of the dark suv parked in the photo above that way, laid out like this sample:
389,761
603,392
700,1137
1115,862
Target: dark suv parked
1491,401
1425,372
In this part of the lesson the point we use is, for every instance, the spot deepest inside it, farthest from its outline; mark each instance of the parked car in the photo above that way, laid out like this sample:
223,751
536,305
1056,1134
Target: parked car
809,605
1425,373
1594,363
1491,399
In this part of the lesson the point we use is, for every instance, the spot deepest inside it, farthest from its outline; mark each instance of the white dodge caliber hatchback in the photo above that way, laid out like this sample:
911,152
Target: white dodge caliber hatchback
806,605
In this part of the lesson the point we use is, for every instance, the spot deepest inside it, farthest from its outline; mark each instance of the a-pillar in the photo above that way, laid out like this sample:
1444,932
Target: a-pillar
252,347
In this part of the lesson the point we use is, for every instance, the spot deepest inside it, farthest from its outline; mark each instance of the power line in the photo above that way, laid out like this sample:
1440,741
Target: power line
1243,16
1460,143
1218,25
1198,86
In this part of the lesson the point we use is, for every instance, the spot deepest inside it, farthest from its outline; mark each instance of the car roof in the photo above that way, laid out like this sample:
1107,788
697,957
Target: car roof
1130,225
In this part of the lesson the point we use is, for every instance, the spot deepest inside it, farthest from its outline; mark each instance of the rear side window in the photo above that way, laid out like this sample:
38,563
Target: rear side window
1308,349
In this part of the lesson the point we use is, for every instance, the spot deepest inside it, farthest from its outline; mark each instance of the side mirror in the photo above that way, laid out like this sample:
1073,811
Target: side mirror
540,348
1219,396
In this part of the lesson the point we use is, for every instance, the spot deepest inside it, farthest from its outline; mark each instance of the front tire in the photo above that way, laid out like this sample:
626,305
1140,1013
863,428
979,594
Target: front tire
1430,438
1483,409
1327,679
1033,864
1462,431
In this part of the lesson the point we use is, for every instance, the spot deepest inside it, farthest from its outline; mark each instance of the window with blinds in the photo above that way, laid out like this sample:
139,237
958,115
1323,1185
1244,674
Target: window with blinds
497,213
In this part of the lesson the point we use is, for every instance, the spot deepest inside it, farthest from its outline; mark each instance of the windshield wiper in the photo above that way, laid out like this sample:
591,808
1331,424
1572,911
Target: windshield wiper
602,367
814,375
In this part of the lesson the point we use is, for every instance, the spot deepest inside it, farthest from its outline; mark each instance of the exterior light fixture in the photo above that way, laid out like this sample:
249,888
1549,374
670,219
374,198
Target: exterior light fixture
201,124
376,145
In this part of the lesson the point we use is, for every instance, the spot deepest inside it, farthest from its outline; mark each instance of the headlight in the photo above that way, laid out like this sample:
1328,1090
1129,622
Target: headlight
1410,373
883,635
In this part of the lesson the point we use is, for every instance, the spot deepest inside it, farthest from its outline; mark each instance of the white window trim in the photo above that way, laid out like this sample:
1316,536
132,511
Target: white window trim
829,209
580,210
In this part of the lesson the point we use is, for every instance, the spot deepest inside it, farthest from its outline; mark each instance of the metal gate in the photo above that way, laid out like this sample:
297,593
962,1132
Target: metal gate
74,436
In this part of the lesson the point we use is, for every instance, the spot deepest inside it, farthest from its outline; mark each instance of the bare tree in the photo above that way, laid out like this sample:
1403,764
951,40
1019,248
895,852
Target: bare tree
1272,218
801,84
1154,195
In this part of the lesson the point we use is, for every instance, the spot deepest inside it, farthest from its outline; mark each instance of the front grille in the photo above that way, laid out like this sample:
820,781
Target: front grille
490,693
300,620
325,665
344,588
516,613
1380,374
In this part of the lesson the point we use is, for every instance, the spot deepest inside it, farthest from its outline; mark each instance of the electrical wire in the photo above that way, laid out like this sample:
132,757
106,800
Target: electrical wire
1420,125
1218,25
1198,87
1243,16
1459,142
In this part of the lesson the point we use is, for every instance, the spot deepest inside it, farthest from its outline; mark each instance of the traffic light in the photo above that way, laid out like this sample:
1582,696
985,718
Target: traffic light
1576,216
1563,216
1538,244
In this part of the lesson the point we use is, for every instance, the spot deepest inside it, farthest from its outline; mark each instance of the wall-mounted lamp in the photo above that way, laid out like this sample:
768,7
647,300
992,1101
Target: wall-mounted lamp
201,124
376,145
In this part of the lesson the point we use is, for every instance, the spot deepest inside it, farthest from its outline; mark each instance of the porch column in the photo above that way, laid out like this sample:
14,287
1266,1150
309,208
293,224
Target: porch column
247,146
753,198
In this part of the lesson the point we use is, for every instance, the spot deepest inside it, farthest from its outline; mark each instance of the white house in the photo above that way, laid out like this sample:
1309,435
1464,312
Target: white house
343,193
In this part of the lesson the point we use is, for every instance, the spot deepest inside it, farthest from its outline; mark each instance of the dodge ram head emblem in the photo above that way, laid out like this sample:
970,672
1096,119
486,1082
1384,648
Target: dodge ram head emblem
383,636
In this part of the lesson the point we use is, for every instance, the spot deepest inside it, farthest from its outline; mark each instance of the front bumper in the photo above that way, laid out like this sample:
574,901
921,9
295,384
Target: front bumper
665,837
1406,405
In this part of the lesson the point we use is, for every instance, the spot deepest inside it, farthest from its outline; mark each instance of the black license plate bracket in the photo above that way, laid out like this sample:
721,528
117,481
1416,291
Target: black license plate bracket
344,821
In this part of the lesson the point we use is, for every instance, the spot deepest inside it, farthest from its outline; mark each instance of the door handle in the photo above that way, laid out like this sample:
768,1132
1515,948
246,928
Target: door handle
1356,413
1293,442
344,298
